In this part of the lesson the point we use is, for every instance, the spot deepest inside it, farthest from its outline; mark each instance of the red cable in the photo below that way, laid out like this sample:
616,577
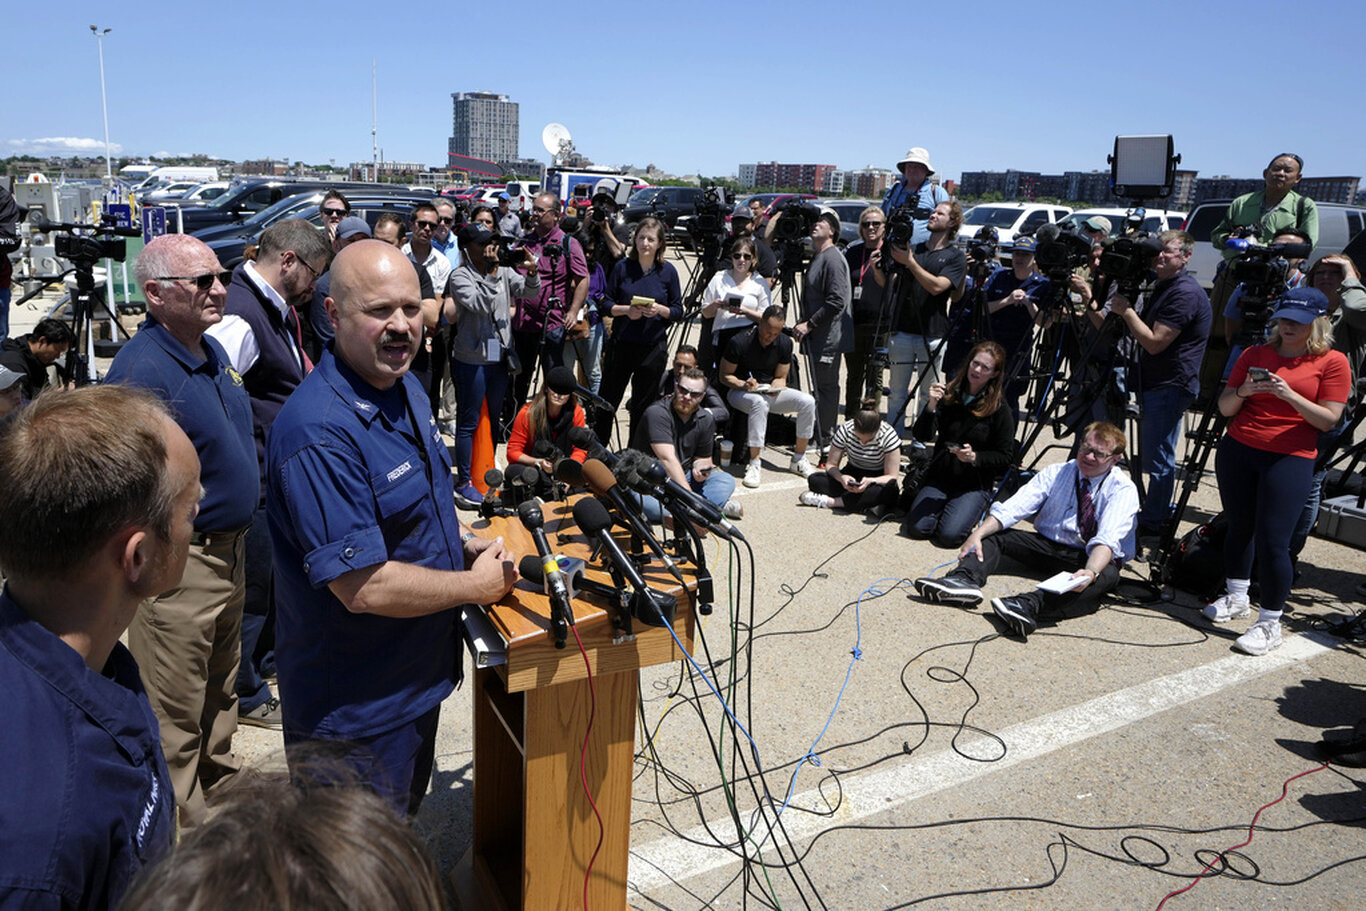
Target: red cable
583,762
1209,867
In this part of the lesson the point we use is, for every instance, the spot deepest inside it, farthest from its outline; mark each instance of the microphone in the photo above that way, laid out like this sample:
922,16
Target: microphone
569,471
647,605
585,439
653,471
589,397
572,567
554,584
492,504
602,482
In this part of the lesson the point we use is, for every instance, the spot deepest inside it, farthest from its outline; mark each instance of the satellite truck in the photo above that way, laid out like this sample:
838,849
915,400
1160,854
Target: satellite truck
576,186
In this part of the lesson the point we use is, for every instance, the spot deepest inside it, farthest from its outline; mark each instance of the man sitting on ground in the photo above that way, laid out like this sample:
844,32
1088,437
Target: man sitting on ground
1084,513
681,434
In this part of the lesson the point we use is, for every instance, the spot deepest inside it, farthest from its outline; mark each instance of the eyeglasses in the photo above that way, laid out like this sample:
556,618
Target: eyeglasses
870,224
539,210
315,272
446,219
202,282
1098,453
335,213
741,257
691,393
429,225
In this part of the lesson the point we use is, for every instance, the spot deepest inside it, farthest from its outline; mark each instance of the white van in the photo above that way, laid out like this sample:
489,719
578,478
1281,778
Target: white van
172,173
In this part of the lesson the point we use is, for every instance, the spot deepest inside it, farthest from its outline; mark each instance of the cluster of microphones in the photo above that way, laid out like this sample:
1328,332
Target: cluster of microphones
612,478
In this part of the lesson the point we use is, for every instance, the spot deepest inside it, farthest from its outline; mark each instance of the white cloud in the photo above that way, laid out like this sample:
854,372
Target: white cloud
59,145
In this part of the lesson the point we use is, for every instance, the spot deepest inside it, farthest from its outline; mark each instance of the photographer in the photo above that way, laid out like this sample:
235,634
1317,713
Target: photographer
827,330
479,310
936,269
1261,215
914,189
1171,334
30,355
606,225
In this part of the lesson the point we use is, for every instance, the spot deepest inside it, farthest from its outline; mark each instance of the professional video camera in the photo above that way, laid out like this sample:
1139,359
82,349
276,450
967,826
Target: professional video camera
1263,270
901,223
90,248
709,211
796,218
984,245
509,254
1061,251
1128,261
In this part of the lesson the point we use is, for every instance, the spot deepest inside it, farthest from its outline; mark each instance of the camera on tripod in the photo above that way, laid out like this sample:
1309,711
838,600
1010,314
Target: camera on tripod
1263,270
1128,260
709,210
984,245
90,248
901,223
796,218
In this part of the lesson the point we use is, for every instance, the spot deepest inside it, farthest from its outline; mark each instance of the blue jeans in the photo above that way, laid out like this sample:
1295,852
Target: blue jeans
591,349
1328,442
908,354
946,520
4,310
1159,431
716,489
474,384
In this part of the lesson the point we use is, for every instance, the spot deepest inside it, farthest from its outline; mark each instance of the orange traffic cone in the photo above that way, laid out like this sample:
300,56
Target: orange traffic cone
481,458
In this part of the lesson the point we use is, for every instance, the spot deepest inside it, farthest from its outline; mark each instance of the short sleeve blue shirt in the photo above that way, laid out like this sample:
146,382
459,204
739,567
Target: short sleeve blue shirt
357,477
87,801
211,405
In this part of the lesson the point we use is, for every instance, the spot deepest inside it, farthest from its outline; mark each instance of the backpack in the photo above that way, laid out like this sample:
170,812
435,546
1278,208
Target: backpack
1197,564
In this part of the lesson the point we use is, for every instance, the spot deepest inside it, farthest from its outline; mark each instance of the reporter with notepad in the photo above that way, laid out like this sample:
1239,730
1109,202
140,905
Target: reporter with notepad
1084,513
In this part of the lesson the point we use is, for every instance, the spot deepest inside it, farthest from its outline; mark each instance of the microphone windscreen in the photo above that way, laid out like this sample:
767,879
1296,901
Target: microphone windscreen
493,478
582,437
591,516
598,476
530,568
569,471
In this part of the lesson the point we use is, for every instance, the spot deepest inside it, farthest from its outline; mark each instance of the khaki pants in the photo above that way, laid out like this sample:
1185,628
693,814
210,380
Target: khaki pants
187,643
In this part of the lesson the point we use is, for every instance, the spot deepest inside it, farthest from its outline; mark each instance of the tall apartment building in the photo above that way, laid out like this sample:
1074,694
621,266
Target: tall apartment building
484,125
818,178
869,182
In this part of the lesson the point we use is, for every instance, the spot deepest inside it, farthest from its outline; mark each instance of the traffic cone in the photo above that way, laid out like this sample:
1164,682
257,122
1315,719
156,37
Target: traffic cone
481,458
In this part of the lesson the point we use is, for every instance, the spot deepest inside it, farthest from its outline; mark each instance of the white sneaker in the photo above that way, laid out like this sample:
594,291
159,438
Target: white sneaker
733,509
811,498
752,472
802,467
1228,607
1261,637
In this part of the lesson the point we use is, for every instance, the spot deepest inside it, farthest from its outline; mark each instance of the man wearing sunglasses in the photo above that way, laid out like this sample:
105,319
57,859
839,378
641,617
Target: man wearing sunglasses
333,209
1084,514
443,238
261,335
187,642
680,433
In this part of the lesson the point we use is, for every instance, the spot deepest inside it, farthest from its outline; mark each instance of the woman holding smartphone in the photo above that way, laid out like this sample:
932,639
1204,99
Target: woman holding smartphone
1279,397
735,299
974,439
645,297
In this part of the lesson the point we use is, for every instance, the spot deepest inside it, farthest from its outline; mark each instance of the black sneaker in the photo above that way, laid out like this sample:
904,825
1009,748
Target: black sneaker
955,588
1017,613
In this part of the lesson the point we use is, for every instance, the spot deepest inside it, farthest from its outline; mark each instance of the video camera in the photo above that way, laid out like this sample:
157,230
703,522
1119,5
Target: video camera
901,223
796,218
106,241
1128,261
1263,270
709,211
1061,251
984,245
509,254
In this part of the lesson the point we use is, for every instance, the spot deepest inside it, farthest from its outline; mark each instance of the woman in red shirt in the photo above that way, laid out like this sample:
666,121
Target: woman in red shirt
1279,396
540,432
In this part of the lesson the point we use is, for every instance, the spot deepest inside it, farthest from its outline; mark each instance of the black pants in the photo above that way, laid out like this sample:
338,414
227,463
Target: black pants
639,366
1043,558
855,501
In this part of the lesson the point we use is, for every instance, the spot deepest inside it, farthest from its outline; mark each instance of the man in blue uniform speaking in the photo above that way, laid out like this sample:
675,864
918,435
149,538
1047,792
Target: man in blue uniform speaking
370,561
97,507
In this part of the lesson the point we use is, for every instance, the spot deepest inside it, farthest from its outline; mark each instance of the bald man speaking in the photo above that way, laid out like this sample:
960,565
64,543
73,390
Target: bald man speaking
371,564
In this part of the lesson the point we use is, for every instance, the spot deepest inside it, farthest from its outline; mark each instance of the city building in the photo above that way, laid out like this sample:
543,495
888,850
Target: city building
814,177
869,182
484,125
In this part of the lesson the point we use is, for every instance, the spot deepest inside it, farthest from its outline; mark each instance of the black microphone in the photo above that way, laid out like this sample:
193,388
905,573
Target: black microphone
590,397
554,585
653,471
569,471
585,439
602,482
572,567
647,605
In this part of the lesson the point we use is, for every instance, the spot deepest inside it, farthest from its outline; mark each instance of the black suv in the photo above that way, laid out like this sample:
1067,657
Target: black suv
245,199
664,203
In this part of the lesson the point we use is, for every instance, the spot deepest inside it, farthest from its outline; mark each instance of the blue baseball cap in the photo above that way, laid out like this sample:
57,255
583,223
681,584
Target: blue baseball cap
1025,244
1301,305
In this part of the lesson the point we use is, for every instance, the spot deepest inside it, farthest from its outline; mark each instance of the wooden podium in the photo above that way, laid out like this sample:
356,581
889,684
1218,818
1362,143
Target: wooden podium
534,830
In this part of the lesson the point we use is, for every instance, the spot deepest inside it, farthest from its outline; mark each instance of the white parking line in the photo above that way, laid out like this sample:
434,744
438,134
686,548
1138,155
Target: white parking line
669,859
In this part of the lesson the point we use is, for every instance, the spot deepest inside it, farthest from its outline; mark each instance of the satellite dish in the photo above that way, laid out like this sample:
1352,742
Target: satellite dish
555,137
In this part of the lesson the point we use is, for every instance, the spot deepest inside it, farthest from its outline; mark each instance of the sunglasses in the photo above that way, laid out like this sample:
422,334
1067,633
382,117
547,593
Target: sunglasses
869,224
446,220
202,282
741,257
691,393
335,213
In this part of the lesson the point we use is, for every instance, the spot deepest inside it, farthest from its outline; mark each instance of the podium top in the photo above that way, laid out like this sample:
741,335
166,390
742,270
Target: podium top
522,618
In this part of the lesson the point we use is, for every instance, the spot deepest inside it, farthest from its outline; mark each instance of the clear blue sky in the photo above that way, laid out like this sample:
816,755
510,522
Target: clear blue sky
700,87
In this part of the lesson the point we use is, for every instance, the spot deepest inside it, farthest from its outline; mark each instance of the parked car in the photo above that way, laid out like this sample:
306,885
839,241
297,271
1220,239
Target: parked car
209,191
1154,220
230,241
1009,219
253,195
174,189
664,203
1338,224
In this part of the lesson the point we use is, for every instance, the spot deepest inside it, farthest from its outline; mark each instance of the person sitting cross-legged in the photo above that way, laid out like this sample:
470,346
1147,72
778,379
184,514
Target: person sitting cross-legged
1084,512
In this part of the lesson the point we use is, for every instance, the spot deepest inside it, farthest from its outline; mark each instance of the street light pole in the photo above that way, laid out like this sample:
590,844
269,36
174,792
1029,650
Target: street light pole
104,101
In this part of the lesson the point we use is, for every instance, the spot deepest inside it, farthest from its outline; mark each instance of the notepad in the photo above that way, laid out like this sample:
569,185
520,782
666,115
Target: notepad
1062,582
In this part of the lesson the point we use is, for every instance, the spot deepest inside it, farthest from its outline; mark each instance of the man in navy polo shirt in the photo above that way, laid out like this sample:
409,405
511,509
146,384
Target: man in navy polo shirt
261,334
86,801
188,641
370,562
